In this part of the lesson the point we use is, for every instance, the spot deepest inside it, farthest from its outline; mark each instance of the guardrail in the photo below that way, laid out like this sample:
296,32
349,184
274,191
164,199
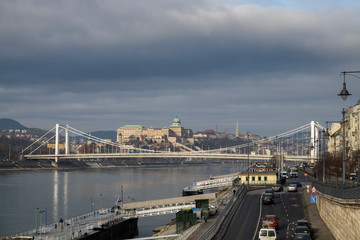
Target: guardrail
339,192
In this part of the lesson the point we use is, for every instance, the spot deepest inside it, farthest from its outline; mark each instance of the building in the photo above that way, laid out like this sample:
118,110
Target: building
353,126
172,134
209,134
335,138
258,178
352,133
260,174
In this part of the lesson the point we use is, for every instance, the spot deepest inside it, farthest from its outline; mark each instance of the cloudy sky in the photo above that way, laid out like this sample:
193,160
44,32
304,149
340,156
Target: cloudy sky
272,66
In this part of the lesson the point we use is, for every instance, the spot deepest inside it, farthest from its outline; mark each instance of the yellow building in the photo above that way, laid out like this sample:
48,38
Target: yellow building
258,178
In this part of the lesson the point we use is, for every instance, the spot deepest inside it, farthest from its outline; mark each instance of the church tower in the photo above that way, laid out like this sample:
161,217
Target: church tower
237,131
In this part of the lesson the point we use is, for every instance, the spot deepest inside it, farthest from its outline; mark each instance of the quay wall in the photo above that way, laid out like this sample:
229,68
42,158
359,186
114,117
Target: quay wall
124,229
342,216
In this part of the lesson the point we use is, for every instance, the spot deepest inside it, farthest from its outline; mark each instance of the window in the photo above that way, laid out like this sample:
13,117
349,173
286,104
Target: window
259,178
263,233
271,233
253,179
265,179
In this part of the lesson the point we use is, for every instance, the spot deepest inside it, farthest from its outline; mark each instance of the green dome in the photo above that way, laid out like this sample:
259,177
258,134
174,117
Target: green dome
176,120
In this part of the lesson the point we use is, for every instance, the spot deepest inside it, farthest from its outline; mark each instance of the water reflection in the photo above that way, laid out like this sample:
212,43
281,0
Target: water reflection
56,196
71,193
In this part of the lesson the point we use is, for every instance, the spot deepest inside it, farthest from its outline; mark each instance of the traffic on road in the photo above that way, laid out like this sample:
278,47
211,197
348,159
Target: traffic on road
273,213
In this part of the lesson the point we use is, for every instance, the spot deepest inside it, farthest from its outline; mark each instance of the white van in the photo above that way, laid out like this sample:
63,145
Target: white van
267,234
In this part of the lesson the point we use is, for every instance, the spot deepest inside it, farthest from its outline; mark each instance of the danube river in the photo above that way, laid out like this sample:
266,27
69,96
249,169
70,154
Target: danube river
29,198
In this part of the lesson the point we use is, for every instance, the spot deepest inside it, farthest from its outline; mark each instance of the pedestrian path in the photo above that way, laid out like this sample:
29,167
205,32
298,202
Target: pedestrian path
321,231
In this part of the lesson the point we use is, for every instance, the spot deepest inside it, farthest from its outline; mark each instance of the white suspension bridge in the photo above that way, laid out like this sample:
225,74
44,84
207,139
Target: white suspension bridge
300,144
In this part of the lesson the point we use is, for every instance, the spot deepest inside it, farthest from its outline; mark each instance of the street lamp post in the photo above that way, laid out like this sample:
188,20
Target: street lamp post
343,150
323,155
248,177
344,94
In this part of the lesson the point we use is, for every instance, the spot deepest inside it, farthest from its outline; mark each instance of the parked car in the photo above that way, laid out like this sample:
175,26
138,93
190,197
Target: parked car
292,188
301,236
303,222
277,188
267,234
271,221
301,231
298,184
268,198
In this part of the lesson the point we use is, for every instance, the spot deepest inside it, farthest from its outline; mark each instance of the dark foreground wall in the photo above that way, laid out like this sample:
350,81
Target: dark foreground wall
123,229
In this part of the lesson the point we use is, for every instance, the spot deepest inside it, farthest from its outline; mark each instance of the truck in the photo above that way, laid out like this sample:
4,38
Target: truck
294,172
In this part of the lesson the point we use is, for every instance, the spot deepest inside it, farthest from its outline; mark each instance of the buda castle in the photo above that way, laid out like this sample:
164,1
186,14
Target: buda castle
173,134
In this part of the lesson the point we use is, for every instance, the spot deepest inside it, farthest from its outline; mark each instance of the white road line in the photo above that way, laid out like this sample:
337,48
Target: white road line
259,217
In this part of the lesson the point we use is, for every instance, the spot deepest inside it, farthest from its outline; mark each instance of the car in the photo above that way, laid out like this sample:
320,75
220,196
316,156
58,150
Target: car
267,234
292,188
303,222
284,174
301,236
268,198
277,188
301,231
298,184
271,221
270,191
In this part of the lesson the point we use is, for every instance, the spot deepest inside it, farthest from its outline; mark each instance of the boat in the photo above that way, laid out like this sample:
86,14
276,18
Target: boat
188,191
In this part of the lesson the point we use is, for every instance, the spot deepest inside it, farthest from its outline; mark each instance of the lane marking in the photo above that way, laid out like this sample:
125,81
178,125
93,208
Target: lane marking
259,217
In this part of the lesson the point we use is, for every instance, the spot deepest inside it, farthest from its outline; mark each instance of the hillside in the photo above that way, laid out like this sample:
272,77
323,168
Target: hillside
105,135
6,124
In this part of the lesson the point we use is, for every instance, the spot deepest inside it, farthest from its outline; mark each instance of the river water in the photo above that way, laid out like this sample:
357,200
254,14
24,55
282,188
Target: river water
28,198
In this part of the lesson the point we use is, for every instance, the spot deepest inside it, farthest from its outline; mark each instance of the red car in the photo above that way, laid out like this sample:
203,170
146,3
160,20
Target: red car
271,221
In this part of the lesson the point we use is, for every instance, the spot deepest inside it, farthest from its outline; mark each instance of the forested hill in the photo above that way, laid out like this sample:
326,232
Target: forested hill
6,124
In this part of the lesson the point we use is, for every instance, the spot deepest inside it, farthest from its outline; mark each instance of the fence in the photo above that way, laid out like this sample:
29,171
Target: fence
347,192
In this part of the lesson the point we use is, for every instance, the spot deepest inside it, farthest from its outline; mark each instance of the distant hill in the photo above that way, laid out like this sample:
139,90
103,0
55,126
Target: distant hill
6,124
105,135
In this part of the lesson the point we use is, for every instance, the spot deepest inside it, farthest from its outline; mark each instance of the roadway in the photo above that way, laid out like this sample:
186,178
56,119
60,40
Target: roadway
246,222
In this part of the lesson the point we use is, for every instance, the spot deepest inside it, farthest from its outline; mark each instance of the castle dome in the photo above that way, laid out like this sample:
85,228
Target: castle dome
176,120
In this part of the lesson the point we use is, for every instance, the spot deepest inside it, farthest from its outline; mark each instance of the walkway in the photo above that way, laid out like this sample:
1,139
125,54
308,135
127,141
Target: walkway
321,231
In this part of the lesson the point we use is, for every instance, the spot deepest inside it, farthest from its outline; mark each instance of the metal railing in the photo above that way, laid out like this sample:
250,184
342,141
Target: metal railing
347,192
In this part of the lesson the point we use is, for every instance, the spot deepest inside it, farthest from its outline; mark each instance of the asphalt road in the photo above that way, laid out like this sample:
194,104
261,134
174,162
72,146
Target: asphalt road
246,222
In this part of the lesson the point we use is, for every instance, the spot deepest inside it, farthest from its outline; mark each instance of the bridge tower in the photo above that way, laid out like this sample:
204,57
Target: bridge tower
67,140
57,127
314,141
57,142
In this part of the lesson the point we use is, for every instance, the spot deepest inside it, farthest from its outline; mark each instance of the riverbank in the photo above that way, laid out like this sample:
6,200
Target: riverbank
222,197
110,163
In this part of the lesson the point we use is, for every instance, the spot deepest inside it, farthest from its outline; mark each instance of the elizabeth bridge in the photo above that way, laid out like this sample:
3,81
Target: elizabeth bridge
302,144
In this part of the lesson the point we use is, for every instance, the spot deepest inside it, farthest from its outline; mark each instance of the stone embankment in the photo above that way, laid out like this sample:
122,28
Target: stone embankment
342,216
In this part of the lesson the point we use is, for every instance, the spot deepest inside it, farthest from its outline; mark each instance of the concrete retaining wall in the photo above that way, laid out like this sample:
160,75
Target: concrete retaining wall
342,216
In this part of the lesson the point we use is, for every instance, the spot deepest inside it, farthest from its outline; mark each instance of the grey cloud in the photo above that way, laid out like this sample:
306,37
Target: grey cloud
122,62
